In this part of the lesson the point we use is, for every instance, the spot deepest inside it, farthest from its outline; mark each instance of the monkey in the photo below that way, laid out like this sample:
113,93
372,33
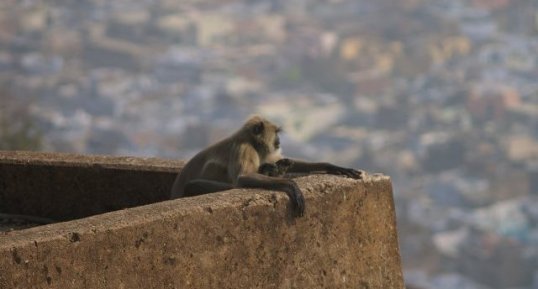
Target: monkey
249,158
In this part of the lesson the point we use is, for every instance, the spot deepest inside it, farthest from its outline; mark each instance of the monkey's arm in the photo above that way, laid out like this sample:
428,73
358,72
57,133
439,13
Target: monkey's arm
255,180
302,167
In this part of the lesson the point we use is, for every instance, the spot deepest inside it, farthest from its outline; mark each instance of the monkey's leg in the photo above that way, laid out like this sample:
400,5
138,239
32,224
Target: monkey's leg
201,186
259,181
303,167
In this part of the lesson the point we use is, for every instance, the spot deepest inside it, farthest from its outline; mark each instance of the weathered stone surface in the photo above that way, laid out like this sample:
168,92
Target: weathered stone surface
232,239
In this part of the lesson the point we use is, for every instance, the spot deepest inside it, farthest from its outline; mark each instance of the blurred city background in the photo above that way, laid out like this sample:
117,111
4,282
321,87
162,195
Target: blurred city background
441,95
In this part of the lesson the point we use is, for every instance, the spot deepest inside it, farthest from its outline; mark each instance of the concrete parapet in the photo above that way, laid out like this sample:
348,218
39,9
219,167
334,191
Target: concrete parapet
234,239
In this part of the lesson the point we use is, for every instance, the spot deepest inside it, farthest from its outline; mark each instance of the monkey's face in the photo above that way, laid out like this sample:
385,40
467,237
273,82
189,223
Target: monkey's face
266,135
276,152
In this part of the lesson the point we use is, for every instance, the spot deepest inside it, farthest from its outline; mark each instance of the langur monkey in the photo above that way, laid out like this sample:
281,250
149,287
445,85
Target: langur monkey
250,158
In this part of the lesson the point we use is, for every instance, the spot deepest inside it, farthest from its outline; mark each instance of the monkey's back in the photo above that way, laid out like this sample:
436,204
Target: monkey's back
208,164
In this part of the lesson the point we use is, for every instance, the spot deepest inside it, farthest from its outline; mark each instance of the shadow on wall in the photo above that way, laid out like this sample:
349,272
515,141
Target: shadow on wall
65,186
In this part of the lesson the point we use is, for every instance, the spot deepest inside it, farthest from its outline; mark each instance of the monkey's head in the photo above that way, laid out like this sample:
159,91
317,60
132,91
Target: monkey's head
264,136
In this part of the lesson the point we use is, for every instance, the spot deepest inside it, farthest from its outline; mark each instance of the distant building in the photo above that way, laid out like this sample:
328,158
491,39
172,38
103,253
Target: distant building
491,4
213,29
491,102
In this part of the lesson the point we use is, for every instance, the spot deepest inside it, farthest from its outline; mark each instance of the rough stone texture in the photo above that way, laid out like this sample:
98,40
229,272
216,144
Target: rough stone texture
232,239
69,186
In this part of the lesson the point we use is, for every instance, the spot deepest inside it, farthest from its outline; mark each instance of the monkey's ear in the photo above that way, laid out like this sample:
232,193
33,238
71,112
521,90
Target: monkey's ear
258,128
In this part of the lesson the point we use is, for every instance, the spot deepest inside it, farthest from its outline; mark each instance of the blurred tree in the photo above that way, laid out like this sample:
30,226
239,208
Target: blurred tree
17,128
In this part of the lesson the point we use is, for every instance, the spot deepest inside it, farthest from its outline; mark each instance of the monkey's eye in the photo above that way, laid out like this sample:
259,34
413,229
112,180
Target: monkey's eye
258,128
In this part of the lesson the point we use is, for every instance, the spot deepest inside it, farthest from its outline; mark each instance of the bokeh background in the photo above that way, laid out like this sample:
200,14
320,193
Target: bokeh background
441,95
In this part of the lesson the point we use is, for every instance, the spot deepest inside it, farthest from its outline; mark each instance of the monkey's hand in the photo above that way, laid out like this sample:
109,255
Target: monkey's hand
351,173
278,169
283,165
296,198
269,170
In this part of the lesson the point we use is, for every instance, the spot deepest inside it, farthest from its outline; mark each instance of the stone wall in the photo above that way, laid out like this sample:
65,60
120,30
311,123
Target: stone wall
69,186
234,239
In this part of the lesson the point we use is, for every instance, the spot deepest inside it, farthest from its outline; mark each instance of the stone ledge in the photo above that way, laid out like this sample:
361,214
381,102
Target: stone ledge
88,161
233,239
